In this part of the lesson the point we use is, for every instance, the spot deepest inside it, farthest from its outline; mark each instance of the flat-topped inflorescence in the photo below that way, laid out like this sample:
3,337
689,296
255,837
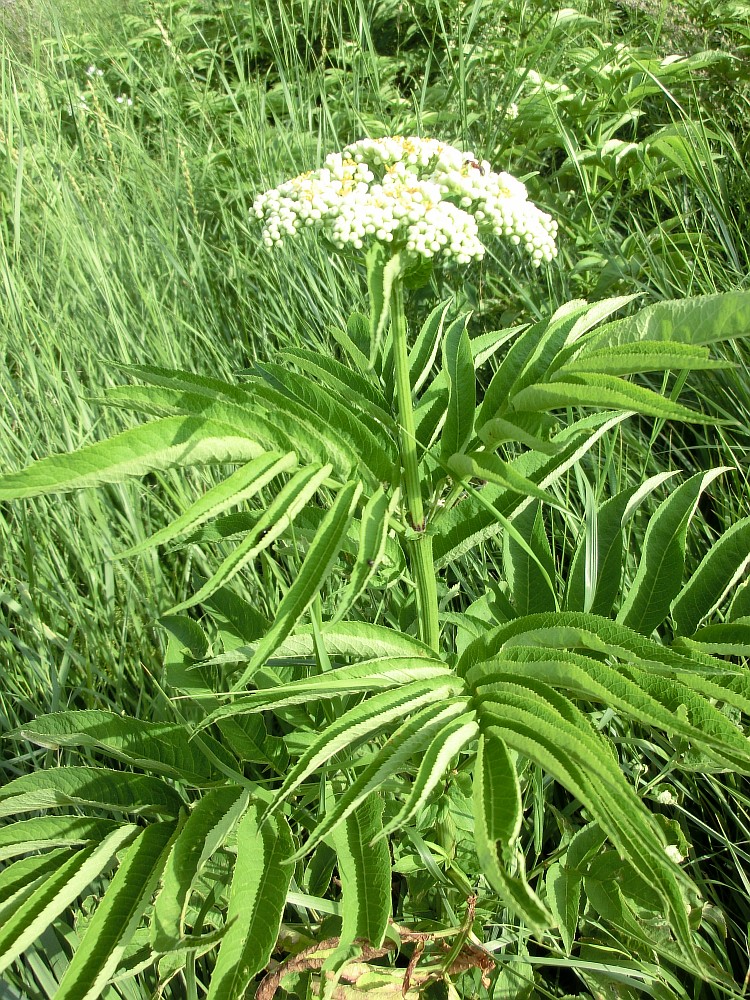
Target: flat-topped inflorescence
420,196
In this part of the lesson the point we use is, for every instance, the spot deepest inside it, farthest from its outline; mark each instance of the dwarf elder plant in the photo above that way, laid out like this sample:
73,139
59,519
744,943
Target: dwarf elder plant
334,724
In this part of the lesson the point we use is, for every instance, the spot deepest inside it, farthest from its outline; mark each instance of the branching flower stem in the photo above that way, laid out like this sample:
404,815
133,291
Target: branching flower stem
420,546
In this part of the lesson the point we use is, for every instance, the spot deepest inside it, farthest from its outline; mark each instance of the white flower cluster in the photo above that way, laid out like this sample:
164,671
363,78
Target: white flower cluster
421,196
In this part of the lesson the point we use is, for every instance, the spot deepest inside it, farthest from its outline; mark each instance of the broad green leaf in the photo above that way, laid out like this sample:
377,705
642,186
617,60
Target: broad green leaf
564,899
365,868
646,356
604,391
380,674
413,737
207,827
482,465
154,746
445,745
426,346
314,571
740,604
701,319
721,568
44,832
242,484
373,536
458,366
493,781
363,722
161,444
256,903
530,569
484,345
114,791
280,514
57,893
662,562
117,916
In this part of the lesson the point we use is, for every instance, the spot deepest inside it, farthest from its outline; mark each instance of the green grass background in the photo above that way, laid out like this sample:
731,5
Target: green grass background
125,237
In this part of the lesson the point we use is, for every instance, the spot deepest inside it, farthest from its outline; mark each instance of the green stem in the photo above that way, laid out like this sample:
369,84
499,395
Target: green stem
420,547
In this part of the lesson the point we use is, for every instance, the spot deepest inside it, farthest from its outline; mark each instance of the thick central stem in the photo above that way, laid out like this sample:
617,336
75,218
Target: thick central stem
420,547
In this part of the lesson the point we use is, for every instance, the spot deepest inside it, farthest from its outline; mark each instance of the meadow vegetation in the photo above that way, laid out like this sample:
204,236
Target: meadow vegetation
134,139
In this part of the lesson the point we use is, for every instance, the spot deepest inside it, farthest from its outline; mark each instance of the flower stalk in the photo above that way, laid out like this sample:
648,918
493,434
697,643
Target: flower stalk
420,544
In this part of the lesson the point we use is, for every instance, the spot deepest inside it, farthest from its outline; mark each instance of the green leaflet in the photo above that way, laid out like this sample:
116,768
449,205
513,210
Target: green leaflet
57,892
345,381
380,298
701,319
498,431
280,514
605,391
52,831
445,745
375,449
364,861
720,569
207,827
413,737
241,485
634,692
724,638
426,346
356,639
373,535
475,518
660,568
564,898
646,356
315,569
368,675
161,444
552,733
20,878
256,903
497,810
458,366
186,382
115,791
117,916
361,723
354,340
482,465
155,746
530,569
532,352
606,536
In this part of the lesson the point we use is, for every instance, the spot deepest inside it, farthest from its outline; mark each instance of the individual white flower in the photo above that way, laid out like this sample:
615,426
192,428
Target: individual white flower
665,797
93,71
421,197
673,852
